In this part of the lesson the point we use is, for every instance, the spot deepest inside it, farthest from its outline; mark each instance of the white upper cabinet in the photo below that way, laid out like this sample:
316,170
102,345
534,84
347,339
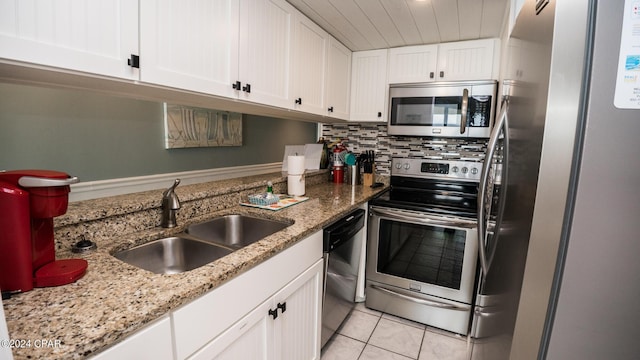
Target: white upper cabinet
190,44
411,64
338,80
369,85
309,66
467,60
266,34
96,37
463,60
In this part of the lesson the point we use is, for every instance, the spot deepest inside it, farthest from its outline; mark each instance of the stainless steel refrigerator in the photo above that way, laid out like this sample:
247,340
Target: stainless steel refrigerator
562,280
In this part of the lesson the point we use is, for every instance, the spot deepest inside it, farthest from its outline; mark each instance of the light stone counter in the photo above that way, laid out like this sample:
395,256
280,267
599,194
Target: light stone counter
114,299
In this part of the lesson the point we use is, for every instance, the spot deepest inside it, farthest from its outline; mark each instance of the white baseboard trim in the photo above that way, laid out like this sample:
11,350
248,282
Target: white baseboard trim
112,187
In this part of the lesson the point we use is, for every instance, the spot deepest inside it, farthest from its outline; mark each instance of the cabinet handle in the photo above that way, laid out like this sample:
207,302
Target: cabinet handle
134,61
299,101
273,313
282,307
247,88
237,85
441,74
379,114
330,109
432,75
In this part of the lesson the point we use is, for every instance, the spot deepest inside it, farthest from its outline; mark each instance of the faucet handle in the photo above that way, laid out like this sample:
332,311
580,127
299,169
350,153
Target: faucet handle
170,198
173,187
170,203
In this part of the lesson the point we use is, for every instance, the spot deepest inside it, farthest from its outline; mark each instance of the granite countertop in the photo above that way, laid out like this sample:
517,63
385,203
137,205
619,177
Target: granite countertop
114,299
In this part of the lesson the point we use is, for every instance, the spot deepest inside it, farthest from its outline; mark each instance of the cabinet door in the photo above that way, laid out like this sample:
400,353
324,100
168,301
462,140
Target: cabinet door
190,45
298,328
369,85
96,37
309,66
412,64
266,33
251,338
152,342
338,80
286,326
466,60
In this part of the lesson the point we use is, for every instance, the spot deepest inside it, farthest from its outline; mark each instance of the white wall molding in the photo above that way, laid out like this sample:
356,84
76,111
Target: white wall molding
112,187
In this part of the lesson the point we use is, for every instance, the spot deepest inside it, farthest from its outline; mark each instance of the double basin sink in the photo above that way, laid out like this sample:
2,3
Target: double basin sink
200,244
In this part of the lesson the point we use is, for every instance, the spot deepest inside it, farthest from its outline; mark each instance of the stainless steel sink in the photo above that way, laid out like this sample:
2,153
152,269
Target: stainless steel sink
172,255
236,230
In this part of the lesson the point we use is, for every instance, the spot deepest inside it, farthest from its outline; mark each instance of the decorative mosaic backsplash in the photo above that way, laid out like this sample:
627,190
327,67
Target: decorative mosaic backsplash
361,137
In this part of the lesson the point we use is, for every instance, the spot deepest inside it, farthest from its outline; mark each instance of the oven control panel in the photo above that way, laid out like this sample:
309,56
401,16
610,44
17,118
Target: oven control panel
426,168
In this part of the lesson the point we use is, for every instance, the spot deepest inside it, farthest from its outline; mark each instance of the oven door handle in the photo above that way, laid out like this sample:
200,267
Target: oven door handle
402,216
431,303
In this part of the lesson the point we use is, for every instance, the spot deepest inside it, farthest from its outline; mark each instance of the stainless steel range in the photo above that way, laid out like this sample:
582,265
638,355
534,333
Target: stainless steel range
422,243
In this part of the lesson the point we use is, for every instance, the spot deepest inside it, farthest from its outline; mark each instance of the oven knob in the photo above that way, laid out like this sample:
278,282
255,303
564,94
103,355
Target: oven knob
407,166
474,171
465,170
454,169
398,166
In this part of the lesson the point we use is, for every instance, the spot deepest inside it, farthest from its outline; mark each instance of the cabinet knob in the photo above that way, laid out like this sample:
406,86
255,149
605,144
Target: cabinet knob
330,109
237,85
247,88
134,61
432,75
441,74
299,101
379,114
273,313
282,307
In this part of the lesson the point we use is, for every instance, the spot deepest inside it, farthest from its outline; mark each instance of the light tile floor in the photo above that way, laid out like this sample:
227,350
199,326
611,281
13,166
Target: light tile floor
371,335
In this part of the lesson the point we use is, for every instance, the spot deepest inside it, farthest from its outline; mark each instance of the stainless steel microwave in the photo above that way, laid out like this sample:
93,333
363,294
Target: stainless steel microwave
446,109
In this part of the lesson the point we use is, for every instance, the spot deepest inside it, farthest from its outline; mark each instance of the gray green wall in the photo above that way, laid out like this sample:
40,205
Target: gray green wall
98,137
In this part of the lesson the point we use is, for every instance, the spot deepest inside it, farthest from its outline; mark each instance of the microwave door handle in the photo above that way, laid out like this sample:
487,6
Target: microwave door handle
398,216
465,106
482,191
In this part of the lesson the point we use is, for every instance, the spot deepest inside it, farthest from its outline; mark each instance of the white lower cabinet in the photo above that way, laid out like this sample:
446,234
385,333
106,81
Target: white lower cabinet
231,320
286,326
152,342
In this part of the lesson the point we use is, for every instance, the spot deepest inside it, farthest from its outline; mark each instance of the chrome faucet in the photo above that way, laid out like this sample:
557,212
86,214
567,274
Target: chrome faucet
170,204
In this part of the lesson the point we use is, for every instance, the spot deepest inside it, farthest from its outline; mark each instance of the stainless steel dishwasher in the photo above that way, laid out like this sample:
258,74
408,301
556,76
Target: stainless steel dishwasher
342,251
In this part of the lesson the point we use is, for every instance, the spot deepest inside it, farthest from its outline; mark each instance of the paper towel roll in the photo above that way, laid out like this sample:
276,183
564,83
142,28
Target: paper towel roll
295,164
295,185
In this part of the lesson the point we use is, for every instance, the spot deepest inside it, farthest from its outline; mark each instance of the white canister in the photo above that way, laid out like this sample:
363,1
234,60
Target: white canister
295,185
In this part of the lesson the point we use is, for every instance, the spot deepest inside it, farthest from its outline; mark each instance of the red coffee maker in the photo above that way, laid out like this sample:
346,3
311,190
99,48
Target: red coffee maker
29,200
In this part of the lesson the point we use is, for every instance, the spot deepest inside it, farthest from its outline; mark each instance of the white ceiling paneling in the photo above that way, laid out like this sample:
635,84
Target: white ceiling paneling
401,16
379,24
447,18
350,10
494,15
378,16
470,18
425,19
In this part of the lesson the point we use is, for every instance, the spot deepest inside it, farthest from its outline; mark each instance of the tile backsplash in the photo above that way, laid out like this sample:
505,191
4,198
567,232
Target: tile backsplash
370,136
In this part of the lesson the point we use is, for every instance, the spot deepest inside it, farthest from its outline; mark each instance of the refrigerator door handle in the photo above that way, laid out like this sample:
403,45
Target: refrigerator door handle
421,301
502,124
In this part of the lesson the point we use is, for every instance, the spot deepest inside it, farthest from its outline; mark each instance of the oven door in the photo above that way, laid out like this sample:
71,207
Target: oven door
423,253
